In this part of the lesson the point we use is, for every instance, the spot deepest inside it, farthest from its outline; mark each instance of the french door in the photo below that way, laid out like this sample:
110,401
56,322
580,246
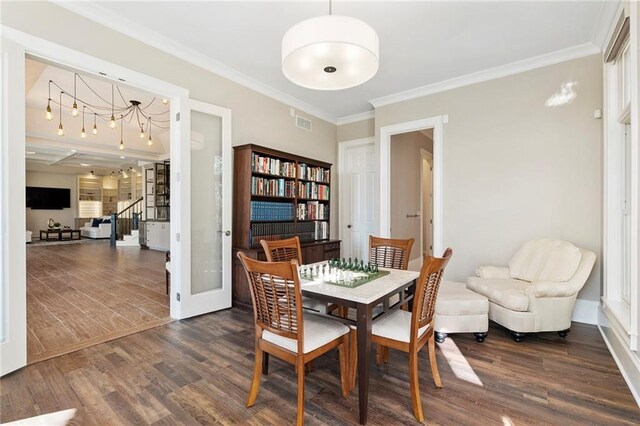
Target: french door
204,211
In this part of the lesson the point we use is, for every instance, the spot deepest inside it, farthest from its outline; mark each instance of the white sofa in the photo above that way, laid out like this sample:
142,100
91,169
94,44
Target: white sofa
103,230
538,290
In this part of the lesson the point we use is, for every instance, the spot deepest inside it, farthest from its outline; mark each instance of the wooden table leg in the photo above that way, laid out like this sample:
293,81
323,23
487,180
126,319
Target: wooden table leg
363,323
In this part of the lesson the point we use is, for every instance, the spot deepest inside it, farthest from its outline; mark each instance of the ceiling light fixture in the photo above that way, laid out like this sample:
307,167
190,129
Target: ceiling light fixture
85,164
121,141
30,152
128,110
330,52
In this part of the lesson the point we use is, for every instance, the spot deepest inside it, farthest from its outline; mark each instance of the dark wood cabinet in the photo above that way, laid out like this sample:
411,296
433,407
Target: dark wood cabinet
278,195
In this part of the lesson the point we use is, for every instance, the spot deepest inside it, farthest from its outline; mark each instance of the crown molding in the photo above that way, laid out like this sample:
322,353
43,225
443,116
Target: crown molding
517,67
125,26
609,12
366,115
34,140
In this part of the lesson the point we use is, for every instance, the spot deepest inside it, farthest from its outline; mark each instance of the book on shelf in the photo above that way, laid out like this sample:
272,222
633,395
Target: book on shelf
272,166
312,190
270,210
272,187
270,232
318,174
312,210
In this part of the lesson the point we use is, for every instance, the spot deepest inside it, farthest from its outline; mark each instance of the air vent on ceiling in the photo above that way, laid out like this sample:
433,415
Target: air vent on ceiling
303,123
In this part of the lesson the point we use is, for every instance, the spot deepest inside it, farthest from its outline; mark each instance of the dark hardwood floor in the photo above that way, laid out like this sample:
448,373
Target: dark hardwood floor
79,295
199,371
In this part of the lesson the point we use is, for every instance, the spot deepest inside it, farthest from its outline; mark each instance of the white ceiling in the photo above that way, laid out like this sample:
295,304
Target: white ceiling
421,43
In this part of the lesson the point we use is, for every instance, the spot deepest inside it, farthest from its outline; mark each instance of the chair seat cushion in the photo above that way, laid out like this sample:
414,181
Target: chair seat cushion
457,299
396,326
318,331
509,293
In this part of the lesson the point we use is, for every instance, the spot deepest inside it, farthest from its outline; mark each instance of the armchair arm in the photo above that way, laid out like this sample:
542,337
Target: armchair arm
565,288
493,272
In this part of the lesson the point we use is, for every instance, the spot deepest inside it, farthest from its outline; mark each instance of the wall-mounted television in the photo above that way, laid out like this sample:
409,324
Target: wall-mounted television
48,198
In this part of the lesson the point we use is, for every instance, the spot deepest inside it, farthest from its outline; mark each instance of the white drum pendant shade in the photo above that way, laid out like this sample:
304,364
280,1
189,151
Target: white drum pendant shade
330,53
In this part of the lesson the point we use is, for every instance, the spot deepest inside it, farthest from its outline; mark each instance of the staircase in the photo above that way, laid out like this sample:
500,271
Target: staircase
125,225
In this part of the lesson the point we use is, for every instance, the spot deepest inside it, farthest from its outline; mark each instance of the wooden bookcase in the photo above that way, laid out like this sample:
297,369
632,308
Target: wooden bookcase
278,195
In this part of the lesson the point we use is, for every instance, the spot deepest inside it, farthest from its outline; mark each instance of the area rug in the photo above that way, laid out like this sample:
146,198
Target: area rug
55,243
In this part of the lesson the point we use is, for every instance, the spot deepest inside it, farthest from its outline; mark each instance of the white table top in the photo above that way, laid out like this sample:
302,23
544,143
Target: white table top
366,293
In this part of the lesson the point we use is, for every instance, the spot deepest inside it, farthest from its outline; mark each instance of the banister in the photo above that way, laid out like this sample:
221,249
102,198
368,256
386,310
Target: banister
139,200
131,213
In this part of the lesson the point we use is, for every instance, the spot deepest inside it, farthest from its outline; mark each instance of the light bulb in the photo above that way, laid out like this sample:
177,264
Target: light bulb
121,146
142,134
83,134
60,130
149,142
48,114
112,123
95,129
165,101
74,111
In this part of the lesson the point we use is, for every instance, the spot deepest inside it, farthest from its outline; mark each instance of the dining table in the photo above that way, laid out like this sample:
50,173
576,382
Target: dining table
370,300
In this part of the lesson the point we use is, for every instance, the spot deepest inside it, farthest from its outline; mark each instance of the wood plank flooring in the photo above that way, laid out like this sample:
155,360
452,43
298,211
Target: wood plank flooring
79,295
198,371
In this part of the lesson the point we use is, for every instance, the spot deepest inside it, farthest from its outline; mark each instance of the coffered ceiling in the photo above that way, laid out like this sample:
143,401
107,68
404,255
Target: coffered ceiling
421,43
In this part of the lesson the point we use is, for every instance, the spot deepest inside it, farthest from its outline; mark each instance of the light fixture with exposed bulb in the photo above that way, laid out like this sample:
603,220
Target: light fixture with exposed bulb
95,125
60,130
48,114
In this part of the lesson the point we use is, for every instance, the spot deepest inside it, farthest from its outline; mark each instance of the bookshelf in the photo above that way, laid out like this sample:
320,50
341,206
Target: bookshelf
278,195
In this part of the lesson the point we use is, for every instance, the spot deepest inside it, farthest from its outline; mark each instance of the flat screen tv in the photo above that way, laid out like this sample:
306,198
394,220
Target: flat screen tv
48,198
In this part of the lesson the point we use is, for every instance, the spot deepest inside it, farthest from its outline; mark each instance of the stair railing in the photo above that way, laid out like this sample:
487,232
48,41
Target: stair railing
127,220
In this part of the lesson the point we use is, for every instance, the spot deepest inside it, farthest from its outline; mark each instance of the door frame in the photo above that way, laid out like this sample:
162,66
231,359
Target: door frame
342,172
14,250
384,183
428,157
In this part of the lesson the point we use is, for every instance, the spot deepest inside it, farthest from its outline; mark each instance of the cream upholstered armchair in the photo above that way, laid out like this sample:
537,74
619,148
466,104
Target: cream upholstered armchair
538,290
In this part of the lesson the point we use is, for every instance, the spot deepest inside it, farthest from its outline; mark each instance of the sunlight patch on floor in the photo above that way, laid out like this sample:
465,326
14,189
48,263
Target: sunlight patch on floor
458,363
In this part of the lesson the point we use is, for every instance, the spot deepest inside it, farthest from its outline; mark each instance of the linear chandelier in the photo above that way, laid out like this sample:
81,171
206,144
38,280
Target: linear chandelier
126,112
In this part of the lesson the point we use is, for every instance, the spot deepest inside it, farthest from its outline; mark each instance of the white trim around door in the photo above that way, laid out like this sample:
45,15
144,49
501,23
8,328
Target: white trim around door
384,183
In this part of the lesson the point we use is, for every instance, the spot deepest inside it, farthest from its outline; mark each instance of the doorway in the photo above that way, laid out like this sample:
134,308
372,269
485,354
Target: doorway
384,202
184,301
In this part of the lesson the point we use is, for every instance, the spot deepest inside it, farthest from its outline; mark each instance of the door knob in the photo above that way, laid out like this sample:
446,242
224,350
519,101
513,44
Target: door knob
227,233
349,226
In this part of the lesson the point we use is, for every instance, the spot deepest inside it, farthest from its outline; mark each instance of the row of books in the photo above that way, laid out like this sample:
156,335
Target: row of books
272,166
272,187
313,190
319,174
270,232
269,210
310,231
313,210
307,231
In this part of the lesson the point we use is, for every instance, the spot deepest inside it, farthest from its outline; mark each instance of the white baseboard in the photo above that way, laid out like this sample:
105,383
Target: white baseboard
586,311
628,362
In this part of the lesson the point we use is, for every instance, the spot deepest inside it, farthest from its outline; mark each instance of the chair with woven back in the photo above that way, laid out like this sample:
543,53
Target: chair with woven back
282,250
411,331
282,330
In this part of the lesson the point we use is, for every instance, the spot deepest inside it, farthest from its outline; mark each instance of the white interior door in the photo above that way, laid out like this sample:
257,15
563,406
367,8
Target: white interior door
205,180
357,199
13,288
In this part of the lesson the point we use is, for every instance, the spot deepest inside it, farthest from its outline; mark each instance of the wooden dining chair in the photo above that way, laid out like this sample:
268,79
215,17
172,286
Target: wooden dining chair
410,331
392,253
282,330
282,250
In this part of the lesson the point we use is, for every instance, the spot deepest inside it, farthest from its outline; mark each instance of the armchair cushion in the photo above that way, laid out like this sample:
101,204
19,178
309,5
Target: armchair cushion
509,293
545,260
493,272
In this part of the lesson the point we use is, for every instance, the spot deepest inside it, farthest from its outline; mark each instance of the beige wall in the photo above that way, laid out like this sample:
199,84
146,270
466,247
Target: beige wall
406,165
515,169
38,219
357,130
256,118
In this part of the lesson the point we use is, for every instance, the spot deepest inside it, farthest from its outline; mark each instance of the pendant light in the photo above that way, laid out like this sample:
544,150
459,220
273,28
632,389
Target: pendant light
60,128
74,108
149,142
48,114
95,124
112,122
330,52
83,134
121,141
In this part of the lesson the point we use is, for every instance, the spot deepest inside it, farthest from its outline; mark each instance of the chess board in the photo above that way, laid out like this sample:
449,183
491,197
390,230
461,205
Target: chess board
359,278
